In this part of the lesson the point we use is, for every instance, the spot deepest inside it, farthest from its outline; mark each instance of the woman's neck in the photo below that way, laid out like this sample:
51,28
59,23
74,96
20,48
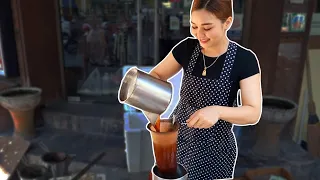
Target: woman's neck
217,49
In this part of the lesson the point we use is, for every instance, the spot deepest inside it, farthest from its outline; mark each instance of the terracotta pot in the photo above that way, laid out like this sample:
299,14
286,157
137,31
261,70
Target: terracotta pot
276,113
21,102
6,123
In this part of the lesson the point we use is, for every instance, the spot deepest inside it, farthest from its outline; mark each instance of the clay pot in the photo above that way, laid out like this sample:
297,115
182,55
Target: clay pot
6,123
21,103
276,113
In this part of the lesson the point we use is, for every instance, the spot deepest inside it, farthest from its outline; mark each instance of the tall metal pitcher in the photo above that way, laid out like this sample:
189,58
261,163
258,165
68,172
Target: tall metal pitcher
145,92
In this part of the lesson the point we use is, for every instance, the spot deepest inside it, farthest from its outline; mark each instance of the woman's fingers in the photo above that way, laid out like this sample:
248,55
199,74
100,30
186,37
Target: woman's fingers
191,117
192,120
197,121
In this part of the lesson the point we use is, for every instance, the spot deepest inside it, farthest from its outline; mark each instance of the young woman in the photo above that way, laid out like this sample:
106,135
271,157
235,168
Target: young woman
215,68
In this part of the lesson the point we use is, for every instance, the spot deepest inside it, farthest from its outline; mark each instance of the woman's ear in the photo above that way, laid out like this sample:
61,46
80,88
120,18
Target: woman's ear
228,23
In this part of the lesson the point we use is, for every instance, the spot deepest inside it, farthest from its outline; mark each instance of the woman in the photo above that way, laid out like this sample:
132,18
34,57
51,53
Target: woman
215,68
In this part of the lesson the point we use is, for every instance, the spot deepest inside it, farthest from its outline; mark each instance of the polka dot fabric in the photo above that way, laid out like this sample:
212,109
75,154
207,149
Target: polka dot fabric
206,153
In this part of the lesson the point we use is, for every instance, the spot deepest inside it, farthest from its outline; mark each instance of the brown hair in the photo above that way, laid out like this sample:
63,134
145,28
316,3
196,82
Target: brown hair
222,9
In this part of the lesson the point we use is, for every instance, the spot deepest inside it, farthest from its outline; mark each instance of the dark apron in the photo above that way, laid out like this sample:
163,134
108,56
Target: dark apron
206,153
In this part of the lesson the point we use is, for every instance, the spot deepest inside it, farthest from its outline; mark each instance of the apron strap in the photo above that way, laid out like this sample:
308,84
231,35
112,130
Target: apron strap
193,58
229,61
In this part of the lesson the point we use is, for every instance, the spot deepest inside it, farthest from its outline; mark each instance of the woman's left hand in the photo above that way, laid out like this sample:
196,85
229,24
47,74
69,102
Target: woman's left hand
204,118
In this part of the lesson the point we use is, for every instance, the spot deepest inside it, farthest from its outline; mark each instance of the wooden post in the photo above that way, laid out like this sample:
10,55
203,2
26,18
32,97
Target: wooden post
37,32
261,33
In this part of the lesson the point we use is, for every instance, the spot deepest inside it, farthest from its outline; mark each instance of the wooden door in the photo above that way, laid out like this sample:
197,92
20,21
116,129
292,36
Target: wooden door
261,33
280,48
37,32
287,71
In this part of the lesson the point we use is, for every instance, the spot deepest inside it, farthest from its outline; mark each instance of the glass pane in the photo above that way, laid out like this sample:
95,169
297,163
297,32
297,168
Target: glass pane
174,24
238,6
100,37
235,32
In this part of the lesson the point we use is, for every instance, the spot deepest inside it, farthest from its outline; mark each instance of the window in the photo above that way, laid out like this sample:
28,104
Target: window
100,37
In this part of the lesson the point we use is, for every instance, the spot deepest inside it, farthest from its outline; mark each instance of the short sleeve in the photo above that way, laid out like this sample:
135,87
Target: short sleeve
182,51
250,65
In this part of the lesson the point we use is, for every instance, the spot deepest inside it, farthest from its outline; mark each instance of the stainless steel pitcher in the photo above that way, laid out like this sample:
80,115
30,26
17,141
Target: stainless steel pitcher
145,92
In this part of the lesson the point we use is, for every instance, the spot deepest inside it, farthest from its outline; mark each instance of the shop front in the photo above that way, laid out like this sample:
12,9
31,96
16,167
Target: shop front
82,46
101,37
78,50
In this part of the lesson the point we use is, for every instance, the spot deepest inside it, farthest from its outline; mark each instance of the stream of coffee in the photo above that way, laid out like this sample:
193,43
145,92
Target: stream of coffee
157,125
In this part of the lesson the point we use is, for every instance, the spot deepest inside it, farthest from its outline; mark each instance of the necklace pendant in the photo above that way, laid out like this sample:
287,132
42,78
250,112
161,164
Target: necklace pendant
204,72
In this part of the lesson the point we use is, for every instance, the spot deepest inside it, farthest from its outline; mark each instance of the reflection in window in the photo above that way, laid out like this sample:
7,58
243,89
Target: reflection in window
99,37
238,6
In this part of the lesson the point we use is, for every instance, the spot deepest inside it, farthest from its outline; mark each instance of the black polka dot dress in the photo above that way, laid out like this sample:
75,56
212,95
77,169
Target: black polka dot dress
206,153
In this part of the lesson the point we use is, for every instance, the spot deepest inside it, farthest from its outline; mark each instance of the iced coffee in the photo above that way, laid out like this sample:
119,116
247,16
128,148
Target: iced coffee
164,137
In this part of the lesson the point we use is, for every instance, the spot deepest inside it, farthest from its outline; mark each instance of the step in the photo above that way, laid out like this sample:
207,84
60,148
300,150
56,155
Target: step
85,147
91,118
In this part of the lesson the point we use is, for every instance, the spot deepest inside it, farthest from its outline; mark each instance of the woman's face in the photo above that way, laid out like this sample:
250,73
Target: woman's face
207,28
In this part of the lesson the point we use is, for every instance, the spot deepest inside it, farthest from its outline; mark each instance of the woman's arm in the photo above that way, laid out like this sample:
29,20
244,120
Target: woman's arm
250,111
248,114
166,68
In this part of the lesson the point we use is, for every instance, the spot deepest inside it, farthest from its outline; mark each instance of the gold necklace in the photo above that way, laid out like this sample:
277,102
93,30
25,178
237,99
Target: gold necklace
204,72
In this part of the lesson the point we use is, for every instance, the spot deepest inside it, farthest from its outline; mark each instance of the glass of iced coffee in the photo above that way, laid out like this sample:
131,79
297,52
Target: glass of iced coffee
164,138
